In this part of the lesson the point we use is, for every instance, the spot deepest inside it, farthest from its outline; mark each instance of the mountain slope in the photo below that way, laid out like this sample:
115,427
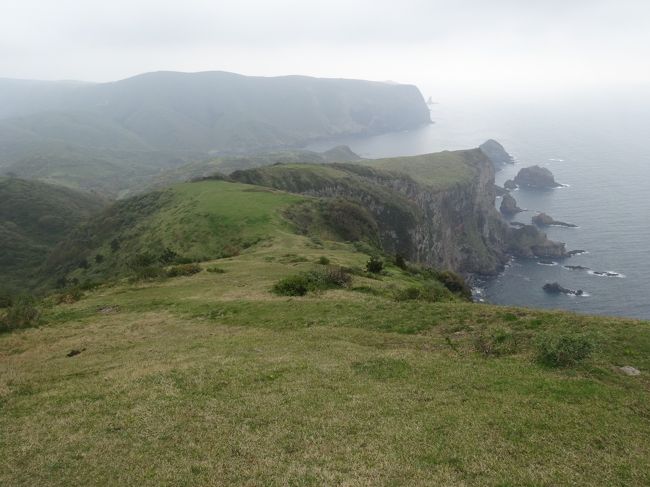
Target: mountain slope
436,209
34,217
185,117
178,381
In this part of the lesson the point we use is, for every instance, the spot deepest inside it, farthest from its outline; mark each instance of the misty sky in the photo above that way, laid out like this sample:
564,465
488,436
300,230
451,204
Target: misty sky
465,43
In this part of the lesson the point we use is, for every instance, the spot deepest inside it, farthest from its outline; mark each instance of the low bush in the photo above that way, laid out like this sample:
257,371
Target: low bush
22,313
563,350
496,343
301,284
400,262
375,265
455,283
216,270
183,270
323,260
148,272
69,296
428,293
6,299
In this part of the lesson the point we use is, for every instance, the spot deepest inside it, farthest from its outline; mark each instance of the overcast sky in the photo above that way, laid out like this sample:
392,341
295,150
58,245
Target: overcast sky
463,43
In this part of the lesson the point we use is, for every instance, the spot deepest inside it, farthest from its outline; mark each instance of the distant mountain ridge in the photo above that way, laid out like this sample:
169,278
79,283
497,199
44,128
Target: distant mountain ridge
186,116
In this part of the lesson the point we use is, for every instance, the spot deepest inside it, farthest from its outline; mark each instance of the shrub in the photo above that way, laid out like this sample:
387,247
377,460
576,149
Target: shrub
6,299
301,284
428,293
455,283
216,270
69,296
337,276
184,270
99,258
563,350
323,260
148,272
297,285
375,265
496,343
21,314
400,261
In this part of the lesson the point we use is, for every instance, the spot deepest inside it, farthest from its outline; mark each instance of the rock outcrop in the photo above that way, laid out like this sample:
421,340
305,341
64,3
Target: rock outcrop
536,177
544,220
509,206
510,185
555,288
529,242
496,153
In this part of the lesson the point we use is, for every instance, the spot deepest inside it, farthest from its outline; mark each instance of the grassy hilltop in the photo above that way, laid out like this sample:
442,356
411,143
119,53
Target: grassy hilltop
392,378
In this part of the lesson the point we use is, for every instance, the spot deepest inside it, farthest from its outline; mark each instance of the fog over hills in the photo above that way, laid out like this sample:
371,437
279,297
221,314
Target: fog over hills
186,117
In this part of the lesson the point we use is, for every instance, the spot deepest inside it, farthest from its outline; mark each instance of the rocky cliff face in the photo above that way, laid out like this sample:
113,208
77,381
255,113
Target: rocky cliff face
450,226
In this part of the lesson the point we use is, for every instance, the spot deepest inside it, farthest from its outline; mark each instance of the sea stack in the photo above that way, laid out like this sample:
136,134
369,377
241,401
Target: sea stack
536,177
509,206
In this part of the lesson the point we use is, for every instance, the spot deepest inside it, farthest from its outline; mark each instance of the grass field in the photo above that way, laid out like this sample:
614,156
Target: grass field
213,380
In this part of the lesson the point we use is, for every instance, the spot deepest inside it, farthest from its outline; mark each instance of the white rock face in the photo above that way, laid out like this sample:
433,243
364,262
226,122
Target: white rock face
629,370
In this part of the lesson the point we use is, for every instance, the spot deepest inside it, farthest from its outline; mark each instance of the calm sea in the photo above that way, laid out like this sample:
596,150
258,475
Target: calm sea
599,147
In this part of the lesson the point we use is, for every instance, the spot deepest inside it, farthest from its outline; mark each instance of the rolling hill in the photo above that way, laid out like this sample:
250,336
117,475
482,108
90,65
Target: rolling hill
155,121
385,378
34,218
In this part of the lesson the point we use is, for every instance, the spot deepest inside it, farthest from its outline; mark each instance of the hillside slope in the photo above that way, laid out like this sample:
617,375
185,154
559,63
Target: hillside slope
34,218
387,380
436,209
181,117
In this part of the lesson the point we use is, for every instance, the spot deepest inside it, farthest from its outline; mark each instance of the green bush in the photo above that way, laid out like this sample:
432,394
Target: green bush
301,284
400,261
6,299
323,260
563,350
496,343
375,265
216,270
455,283
184,270
428,293
148,272
69,296
21,314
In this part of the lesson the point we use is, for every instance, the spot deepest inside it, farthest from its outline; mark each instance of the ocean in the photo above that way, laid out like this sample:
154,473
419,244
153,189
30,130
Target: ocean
598,146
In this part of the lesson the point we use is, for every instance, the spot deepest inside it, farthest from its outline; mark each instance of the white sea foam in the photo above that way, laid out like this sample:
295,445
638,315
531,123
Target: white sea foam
606,274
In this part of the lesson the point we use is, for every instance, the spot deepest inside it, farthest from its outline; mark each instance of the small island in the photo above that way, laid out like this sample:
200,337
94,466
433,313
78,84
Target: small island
555,288
536,177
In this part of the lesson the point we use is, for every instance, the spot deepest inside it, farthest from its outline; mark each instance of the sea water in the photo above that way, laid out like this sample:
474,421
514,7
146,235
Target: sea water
598,147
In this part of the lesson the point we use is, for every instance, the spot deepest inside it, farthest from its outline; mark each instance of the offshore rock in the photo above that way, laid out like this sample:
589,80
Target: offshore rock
544,220
509,206
536,177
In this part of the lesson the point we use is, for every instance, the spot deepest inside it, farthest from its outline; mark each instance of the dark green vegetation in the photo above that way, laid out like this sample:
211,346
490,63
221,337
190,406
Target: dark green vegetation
34,218
227,164
114,137
200,371
436,208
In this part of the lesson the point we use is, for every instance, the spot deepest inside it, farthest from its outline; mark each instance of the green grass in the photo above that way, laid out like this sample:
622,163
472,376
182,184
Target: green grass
211,378
439,170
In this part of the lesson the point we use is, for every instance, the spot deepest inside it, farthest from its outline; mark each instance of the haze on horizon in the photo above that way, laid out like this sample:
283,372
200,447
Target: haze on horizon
466,44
